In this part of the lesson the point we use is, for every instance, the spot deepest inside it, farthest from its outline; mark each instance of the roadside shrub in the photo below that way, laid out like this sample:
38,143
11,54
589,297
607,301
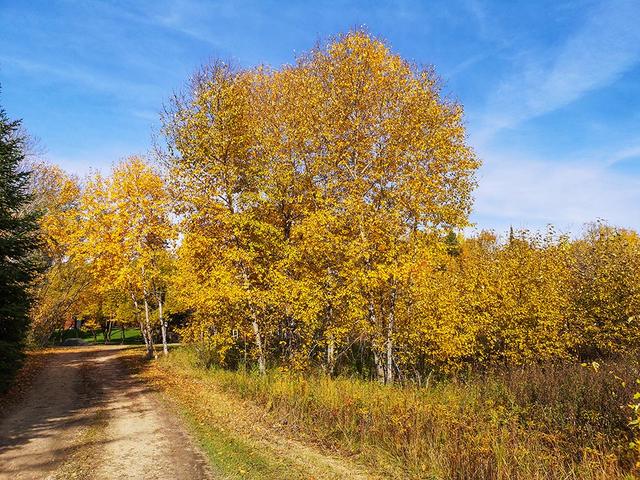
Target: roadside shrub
11,358
548,421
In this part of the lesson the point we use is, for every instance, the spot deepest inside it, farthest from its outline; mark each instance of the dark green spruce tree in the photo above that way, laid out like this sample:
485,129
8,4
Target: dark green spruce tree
18,246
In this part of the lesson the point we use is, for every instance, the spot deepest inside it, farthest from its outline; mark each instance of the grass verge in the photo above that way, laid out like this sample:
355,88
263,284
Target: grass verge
544,422
239,437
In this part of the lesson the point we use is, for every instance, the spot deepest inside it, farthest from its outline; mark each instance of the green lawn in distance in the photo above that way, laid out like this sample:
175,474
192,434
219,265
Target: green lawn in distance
131,336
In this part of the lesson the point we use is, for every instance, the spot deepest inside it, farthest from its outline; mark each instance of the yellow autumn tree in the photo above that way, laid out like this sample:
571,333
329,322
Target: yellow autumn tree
605,287
125,234
394,153
60,289
352,141
531,302
215,177
320,207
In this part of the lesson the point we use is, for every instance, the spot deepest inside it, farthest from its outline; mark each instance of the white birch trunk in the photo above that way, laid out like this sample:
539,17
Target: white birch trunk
262,367
148,326
331,356
163,326
142,329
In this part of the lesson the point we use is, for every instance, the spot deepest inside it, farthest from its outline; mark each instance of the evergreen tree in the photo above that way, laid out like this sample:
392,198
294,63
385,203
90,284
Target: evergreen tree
18,243
452,244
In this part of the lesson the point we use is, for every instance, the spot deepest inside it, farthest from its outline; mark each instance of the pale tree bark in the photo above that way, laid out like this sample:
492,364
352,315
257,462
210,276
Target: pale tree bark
331,342
163,325
144,336
262,367
143,331
152,351
389,377
376,347
331,355
107,335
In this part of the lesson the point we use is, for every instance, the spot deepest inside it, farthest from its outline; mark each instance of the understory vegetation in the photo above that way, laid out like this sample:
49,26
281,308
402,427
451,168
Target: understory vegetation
548,421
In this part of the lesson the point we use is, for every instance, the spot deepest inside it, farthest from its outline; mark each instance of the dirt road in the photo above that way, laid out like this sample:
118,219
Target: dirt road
87,416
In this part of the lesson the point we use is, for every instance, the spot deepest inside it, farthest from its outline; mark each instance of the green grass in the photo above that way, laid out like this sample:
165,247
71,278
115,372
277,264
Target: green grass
225,429
131,336
230,456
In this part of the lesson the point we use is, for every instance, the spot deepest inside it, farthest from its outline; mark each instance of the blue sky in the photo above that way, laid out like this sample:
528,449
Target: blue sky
551,89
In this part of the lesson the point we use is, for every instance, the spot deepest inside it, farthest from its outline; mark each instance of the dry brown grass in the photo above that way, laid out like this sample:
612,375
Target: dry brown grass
544,422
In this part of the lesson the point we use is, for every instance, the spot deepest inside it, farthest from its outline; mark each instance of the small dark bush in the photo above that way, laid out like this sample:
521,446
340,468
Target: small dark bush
11,358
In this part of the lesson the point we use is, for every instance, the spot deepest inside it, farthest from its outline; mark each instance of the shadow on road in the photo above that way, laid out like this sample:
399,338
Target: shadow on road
75,386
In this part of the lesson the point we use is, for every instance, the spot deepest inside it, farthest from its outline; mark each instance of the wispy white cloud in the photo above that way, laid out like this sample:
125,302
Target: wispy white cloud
477,10
186,17
524,191
623,154
84,77
466,64
595,55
